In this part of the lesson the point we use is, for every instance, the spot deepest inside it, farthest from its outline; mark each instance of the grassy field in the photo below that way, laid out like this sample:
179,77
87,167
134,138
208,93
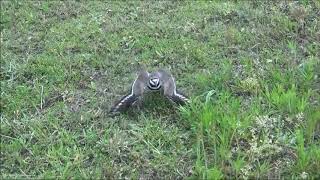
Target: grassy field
251,69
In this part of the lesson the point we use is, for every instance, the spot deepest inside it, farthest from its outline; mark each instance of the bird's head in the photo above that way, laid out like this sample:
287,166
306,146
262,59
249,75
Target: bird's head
154,81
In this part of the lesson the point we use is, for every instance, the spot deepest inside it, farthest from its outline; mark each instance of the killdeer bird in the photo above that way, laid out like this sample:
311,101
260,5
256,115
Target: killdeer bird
159,81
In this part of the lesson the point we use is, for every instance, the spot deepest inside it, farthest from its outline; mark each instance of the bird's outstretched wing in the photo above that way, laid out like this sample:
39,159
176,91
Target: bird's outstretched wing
137,90
179,98
170,89
123,104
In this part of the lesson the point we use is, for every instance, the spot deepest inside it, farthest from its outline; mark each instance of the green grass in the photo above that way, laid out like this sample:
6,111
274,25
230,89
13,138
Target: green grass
251,69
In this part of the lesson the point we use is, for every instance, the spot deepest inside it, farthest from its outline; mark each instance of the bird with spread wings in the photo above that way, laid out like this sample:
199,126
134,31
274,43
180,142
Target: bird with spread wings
160,80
